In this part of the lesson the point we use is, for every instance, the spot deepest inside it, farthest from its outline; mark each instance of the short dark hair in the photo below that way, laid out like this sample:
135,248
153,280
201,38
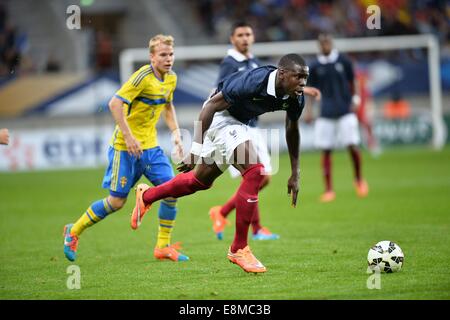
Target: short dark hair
288,61
325,36
239,24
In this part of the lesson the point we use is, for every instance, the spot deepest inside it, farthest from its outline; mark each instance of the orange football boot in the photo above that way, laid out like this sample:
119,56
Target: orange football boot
265,234
219,221
170,252
328,196
140,209
362,188
245,259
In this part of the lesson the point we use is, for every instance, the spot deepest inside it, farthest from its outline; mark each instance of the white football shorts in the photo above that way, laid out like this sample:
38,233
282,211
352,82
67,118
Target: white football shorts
222,138
329,133
260,143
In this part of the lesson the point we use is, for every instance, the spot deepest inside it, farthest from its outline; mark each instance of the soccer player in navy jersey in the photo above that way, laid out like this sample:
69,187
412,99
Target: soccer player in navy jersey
333,75
221,138
238,59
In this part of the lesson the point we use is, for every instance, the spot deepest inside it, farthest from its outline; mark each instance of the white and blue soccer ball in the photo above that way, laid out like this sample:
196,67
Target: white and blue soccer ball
385,256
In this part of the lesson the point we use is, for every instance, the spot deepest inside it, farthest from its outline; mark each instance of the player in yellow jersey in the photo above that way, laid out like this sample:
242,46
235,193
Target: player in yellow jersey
134,149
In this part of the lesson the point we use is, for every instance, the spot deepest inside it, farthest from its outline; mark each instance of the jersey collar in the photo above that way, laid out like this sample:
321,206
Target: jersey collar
331,58
153,71
271,85
236,55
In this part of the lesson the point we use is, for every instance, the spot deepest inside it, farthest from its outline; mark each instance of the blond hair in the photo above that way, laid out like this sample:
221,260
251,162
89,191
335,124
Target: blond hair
160,38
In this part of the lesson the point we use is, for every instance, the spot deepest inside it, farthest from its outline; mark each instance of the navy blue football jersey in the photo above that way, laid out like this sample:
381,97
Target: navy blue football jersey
252,93
237,62
333,76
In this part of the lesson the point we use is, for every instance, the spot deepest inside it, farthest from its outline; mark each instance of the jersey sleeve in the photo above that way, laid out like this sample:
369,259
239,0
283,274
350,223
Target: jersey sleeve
296,108
132,88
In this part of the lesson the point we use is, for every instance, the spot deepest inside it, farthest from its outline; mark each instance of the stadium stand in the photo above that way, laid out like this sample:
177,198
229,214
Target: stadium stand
276,20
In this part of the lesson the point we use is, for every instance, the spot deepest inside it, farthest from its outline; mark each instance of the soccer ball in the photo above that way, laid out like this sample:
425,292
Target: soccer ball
385,256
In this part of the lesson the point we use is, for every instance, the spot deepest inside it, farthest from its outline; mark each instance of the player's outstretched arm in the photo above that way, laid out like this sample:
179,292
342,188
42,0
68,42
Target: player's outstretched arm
293,143
313,92
215,104
4,136
316,94
133,145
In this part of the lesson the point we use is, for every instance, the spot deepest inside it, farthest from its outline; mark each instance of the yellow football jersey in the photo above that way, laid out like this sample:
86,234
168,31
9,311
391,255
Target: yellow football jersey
144,97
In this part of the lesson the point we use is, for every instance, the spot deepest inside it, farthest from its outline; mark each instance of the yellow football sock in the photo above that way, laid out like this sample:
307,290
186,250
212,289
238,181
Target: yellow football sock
86,220
164,232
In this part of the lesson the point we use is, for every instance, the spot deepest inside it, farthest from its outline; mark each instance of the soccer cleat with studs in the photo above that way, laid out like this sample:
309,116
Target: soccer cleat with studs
140,209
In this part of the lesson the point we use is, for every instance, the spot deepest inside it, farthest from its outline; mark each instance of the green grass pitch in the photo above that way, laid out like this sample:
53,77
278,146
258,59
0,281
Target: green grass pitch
321,254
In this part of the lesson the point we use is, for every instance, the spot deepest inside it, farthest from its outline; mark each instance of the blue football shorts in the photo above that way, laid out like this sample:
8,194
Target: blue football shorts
124,170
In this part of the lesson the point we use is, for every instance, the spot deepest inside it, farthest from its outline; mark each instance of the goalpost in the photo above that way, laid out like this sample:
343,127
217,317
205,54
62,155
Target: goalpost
129,57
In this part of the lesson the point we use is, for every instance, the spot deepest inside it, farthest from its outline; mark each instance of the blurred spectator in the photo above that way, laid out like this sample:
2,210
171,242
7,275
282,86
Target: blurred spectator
104,50
12,48
53,64
397,108
10,56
